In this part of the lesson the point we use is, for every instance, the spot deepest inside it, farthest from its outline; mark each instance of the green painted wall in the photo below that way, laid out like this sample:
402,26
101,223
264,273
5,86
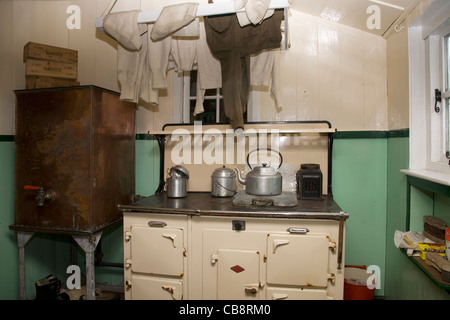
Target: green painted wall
9,281
359,187
147,166
367,183
403,279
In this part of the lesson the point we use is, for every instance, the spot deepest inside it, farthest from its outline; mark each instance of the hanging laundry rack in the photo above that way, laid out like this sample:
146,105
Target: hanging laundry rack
210,9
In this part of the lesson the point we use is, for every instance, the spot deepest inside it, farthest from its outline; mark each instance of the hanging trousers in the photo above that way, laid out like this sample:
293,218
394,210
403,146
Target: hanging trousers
233,45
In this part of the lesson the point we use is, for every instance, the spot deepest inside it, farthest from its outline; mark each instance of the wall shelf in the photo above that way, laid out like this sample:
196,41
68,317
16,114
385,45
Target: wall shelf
416,178
428,175
205,132
286,127
429,271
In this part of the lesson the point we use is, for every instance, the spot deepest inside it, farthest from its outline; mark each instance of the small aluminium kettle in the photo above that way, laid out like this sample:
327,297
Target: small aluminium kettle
262,180
177,182
223,182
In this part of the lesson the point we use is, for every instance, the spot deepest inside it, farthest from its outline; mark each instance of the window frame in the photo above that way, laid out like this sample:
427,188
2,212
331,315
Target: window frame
427,128
182,98
438,79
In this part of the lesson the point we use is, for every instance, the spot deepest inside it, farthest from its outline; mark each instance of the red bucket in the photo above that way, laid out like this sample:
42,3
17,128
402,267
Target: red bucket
355,283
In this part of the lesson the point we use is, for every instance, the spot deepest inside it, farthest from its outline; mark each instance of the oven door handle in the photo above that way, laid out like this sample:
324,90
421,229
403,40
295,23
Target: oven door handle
297,230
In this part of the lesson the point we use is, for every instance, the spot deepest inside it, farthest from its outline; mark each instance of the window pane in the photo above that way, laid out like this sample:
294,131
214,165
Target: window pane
446,65
193,85
446,125
208,116
223,118
210,92
447,62
212,113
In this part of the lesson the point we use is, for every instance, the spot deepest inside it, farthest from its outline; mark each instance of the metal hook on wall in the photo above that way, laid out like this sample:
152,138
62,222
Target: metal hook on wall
397,29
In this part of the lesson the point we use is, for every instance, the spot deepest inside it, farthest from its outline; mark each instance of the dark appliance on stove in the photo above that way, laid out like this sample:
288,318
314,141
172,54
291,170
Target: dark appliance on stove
309,181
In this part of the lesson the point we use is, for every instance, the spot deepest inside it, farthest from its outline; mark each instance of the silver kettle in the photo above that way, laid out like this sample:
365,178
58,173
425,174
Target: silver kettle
177,182
262,180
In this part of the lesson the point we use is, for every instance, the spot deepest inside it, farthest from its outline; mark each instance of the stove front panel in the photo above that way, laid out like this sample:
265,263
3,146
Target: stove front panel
261,261
291,266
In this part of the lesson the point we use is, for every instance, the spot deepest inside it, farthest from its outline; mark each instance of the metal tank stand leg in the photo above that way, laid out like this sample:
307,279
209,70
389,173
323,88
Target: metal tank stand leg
22,239
88,244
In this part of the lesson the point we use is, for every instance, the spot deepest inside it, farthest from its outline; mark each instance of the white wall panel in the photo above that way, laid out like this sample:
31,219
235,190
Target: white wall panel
375,83
322,73
305,46
7,67
352,76
331,72
398,79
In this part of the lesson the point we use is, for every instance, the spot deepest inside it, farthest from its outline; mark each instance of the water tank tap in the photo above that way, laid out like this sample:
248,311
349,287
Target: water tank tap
42,195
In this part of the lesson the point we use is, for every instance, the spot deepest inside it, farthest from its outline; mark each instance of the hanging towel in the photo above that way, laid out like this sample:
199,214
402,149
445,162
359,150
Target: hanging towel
191,30
158,57
208,70
127,72
147,93
130,68
244,20
264,66
255,11
183,51
123,27
173,18
239,4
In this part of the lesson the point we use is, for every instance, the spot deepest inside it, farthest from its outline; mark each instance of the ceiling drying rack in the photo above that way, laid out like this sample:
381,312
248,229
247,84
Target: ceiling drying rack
210,9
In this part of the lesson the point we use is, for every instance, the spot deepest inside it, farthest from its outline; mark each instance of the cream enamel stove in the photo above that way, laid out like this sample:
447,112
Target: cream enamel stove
264,247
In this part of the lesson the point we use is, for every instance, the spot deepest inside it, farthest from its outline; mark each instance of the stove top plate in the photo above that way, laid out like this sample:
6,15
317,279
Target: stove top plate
285,199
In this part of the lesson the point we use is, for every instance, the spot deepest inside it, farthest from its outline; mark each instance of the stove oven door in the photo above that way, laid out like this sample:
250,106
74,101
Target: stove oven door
145,288
238,274
157,251
298,260
156,262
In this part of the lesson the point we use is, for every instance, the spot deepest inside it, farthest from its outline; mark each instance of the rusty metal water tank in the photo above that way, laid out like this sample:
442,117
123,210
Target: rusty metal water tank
74,159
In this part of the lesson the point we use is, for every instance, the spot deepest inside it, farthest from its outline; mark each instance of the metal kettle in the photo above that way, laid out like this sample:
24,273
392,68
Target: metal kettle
262,180
177,182
223,182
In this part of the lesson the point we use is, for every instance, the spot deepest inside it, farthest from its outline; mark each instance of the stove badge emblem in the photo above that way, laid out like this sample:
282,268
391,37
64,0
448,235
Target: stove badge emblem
237,268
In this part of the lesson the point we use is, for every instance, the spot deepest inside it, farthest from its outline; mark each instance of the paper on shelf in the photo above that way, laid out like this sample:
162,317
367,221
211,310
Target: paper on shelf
408,240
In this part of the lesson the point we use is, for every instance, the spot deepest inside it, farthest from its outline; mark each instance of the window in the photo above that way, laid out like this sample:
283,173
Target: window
212,104
184,87
446,94
429,63
438,48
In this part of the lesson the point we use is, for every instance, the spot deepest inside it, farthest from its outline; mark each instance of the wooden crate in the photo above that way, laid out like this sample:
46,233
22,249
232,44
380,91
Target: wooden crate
63,70
40,51
37,82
